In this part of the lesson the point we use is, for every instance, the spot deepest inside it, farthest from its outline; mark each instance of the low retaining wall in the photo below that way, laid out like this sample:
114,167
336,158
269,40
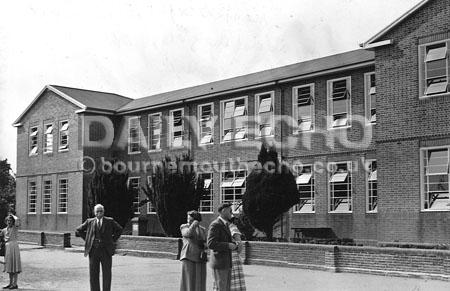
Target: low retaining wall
160,247
48,239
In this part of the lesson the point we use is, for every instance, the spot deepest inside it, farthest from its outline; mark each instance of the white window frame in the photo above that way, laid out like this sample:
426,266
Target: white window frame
130,138
423,68
63,197
350,184
233,124
63,132
34,141
150,207
423,178
32,198
151,132
47,194
211,194
369,176
236,184
136,208
258,114
311,183
295,113
368,93
200,121
48,138
330,115
171,128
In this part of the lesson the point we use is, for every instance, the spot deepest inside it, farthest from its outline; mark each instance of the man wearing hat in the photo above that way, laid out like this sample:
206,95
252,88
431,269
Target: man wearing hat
220,243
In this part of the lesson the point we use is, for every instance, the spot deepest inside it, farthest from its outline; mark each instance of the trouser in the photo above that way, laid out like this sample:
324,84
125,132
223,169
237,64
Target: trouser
222,277
96,256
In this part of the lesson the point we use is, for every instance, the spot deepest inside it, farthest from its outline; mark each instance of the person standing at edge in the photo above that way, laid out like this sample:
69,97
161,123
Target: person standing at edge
100,234
220,243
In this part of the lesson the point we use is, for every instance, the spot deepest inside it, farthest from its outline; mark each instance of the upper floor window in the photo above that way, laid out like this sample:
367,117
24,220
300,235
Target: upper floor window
48,138
176,128
435,177
206,123
372,193
265,118
63,136
154,131
339,102
306,190
303,107
34,133
340,187
234,119
434,68
134,142
370,94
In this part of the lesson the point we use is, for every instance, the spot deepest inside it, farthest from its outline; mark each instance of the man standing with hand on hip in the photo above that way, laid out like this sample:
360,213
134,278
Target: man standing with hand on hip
100,234
220,242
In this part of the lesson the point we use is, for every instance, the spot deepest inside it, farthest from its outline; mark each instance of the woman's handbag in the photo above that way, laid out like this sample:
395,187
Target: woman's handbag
203,256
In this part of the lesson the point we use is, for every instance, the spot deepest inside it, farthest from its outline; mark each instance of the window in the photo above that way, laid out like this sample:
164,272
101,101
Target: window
32,197
34,141
150,208
206,204
340,187
303,108
205,123
63,192
133,183
48,138
305,186
47,197
234,119
372,197
435,177
434,68
339,102
134,142
265,112
64,136
232,187
154,131
176,128
370,94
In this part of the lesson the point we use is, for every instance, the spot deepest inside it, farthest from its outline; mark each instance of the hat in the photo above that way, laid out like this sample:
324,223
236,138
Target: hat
223,206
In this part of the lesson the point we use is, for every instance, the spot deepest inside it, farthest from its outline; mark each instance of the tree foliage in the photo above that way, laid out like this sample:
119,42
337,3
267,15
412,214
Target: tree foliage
111,190
7,190
175,189
271,190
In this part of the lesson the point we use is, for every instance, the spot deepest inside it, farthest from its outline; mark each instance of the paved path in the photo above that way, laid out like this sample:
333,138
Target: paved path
52,269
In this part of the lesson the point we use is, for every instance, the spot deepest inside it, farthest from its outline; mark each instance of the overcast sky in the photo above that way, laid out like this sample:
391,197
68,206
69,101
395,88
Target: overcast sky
139,48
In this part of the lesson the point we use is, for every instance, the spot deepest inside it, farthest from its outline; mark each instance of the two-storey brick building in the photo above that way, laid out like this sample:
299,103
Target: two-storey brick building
337,120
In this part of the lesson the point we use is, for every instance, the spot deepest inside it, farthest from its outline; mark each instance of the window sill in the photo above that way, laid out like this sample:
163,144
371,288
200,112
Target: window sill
33,155
340,212
205,144
424,97
303,131
206,212
372,212
31,213
134,153
62,213
435,210
304,212
46,213
62,151
341,127
155,151
234,140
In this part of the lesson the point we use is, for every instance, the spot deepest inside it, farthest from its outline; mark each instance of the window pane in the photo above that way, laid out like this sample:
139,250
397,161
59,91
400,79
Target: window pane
436,53
338,177
340,106
266,105
239,111
436,69
438,162
435,88
304,178
339,89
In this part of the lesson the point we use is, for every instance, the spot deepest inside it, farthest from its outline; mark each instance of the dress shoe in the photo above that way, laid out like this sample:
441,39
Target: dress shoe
14,287
7,286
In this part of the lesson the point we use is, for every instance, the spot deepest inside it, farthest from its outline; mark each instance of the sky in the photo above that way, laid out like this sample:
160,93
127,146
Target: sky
139,48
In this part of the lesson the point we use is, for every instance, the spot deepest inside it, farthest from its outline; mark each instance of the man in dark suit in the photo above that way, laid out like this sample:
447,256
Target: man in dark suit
100,234
220,243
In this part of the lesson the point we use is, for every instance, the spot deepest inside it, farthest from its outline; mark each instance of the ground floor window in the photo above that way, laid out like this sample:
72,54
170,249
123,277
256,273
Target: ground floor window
47,197
32,197
133,183
305,187
435,177
63,190
372,193
340,187
206,204
232,187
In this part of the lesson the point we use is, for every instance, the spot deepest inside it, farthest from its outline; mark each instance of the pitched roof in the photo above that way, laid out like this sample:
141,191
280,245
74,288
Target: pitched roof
260,78
395,23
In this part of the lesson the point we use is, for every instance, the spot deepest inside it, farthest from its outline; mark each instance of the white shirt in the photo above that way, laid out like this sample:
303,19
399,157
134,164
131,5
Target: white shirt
99,222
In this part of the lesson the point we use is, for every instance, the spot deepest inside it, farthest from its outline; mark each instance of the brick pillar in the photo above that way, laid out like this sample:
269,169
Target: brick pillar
331,260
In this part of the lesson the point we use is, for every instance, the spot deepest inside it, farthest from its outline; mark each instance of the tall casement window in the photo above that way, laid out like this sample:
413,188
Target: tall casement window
232,187
154,131
34,134
434,67
63,193
134,137
435,176
234,119
176,128
206,204
133,183
205,123
32,197
150,207
370,96
303,108
305,186
63,136
48,138
372,195
47,197
265,116
340,187
339,102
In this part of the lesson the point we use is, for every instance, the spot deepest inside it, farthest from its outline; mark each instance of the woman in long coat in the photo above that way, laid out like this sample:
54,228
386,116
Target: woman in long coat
13,264
193,270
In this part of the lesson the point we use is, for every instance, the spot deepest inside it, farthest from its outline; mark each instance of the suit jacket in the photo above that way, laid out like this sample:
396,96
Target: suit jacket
109,234
219,237
194,242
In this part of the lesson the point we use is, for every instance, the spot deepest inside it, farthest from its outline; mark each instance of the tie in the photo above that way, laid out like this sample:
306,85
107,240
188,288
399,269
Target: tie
99,223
